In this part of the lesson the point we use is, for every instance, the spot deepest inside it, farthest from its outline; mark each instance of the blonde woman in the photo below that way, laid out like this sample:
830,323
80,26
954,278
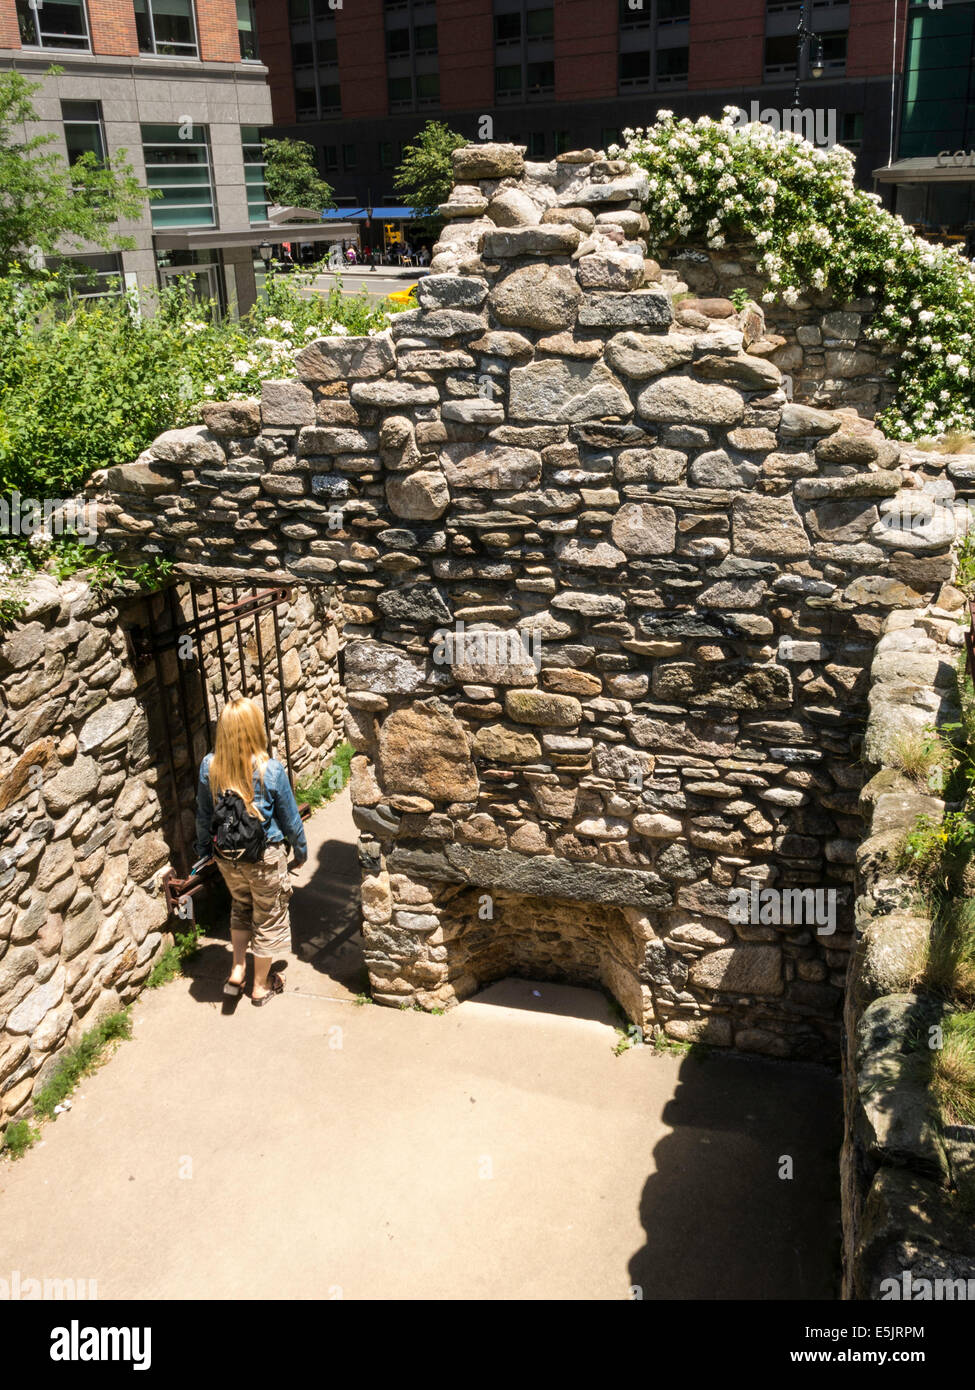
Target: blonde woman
246,815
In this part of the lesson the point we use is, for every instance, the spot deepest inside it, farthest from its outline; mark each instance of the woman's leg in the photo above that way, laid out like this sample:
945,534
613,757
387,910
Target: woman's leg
239,940
271,893
262,965
241,917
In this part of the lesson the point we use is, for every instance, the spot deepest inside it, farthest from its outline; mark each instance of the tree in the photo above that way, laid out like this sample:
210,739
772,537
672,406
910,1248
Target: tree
425,176
47,206
291,178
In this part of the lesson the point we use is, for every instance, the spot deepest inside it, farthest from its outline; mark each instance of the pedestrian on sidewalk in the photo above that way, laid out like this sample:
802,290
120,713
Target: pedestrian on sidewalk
246,816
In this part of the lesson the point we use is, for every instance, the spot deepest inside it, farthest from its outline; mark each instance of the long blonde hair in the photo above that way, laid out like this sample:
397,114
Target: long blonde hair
240,750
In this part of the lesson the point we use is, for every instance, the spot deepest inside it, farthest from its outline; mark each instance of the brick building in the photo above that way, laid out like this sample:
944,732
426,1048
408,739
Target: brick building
178,86
358,80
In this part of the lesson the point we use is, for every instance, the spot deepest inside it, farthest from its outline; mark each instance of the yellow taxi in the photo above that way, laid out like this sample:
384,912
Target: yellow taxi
405,297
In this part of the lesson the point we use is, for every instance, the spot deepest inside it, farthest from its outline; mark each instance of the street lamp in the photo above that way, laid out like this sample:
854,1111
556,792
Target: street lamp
803,35
265,251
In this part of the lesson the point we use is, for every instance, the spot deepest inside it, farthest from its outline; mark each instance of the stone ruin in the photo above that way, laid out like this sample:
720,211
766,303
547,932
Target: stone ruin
610,603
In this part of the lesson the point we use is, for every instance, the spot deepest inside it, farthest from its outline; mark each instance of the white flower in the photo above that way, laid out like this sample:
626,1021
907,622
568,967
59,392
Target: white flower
242,367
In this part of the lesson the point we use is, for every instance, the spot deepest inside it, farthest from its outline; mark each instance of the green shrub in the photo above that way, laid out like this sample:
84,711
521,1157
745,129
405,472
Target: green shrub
88,384
18,1137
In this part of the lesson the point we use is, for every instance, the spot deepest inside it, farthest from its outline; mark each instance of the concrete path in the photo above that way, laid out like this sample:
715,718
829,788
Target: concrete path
319,1149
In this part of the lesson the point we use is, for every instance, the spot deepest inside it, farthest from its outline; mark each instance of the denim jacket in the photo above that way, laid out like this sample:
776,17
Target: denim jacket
275,802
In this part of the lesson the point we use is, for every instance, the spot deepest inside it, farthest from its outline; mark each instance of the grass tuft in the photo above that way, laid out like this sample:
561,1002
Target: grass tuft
329,781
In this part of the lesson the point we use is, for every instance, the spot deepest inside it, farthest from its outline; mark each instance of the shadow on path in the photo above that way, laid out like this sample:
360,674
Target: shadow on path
720,1221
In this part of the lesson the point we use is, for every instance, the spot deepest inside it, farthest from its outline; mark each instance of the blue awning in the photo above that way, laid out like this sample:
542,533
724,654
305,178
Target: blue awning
392,214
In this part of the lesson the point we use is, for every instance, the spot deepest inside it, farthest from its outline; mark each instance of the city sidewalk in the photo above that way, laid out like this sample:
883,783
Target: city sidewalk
318,1148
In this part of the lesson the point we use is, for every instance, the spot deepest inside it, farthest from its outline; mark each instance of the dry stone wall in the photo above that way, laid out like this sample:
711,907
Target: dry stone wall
823,349
610,605
901,1166
82,832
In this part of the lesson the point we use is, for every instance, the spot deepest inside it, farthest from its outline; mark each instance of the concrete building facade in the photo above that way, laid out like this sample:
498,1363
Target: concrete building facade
177,86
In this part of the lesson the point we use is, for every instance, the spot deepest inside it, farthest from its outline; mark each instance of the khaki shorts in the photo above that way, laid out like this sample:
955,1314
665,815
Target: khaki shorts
260,895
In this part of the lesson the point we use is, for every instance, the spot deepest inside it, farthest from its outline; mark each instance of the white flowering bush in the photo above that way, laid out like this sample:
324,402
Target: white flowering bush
815,230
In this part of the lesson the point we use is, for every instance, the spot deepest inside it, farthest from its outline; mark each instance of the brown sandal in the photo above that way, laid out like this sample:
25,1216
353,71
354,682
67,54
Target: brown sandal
275,986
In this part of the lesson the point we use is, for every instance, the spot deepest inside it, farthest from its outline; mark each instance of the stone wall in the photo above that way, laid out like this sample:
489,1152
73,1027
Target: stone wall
695,572
900,1168
89,803
821,347
80,918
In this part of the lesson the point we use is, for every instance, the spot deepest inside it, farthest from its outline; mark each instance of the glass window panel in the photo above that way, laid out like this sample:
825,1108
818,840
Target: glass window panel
400,89
507,28
508,79
54,24
425,38
540,24
348,156
331,97
328,51
541,76
672,62
634,67
247,29
397,42
428,86
180,170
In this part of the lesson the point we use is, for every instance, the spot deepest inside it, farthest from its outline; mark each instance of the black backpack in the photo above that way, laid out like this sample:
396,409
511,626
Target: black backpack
235,834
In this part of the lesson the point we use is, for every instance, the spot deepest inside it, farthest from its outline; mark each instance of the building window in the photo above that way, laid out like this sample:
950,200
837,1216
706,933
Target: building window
330,157
331,99
397,43
166,27
428,89
425,39
507,28
610,136
348,156
562,141
83,132
178,165
672,65
400,91
90,276
328,52
247,30
851,129
507,80
780,55
634,69
541,78
536,145
540,24
834,50
56,24
634,18
673,11
250,139
387,154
